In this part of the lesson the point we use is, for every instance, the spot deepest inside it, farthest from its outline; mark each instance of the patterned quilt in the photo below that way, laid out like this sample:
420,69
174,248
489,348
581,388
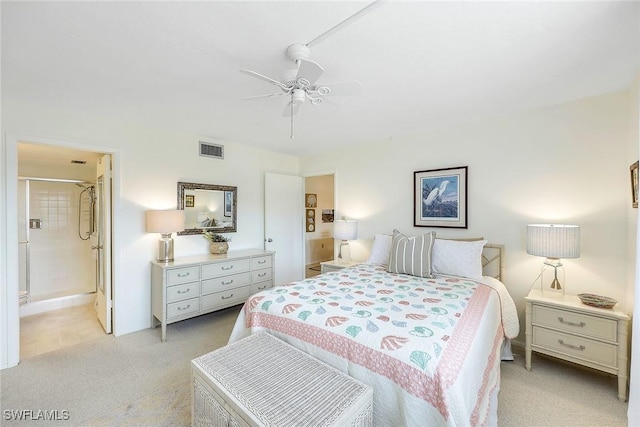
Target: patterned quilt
416,333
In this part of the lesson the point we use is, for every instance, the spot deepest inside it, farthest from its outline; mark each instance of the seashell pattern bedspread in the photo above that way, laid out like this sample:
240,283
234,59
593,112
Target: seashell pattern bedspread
437,341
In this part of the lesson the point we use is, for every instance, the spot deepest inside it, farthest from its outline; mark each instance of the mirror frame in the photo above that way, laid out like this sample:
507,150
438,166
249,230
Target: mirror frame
182,186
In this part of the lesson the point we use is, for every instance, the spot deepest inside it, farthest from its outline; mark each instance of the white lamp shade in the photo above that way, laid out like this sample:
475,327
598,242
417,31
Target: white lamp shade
553,240
345,229
165,221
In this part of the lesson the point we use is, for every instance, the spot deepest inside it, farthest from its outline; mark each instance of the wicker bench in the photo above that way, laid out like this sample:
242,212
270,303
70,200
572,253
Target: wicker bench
263,381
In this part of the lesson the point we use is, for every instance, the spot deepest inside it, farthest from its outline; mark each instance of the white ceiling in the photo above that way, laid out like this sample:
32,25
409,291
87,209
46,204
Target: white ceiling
175,65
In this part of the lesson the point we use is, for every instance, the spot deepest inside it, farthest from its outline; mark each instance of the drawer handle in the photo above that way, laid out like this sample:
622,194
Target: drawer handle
185,291
184,274
184,308
262,274
227,283
577,325
228,268
230,296
262,262
571,346
262,287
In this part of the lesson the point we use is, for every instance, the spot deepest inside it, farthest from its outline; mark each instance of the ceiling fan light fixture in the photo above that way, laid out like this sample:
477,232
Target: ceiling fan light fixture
298,96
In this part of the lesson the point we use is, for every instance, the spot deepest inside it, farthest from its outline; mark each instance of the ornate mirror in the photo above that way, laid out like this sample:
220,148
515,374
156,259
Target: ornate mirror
207,207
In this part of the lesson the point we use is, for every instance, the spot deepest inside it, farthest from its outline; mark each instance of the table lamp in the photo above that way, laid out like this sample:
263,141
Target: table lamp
345,230
553,241
165,223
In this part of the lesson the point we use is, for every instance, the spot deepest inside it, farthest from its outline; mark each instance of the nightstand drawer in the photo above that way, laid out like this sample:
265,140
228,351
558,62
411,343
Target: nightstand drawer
180,292
592,326
182,275
182,308
225,268
582,348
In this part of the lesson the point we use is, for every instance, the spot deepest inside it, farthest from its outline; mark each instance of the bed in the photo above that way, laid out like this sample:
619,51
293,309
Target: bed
430,346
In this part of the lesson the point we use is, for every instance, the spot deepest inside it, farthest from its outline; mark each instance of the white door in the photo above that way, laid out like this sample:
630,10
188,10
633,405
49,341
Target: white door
284,225
102,242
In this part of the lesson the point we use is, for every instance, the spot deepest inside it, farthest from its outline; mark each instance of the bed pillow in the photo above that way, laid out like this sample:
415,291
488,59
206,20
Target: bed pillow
411,255
458,258
380,250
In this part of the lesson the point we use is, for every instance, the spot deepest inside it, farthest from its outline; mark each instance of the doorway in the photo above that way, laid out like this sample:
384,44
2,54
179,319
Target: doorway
319,216
58,239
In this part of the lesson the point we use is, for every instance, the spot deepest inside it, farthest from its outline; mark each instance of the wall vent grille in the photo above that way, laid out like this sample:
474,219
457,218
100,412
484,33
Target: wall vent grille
215,151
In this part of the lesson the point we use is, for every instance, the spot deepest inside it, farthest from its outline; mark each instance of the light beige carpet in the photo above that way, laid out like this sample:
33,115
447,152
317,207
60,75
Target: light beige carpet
135,380
165,408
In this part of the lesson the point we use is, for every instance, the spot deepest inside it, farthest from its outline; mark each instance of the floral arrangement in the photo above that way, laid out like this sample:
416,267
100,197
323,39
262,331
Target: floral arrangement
215,237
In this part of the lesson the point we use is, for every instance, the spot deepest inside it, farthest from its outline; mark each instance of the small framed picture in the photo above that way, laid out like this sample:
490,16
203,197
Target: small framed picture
327,215
440,198
310,200
189,201
634,184
311,220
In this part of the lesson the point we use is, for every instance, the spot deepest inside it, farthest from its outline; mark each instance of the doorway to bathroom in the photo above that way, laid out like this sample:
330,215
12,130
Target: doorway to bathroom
62,232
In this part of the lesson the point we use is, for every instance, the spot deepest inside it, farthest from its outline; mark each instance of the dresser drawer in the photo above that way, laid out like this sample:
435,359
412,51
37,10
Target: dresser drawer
182,308
588,325
583,348
261,262
226,268
180,292
226,282
237,295
177,276
257,287
261,275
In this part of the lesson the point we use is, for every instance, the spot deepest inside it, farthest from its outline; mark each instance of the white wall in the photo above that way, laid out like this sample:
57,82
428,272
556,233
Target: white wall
151,163
564,164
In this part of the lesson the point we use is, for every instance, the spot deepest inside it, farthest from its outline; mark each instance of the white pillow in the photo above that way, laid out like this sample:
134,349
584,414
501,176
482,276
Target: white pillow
380,250
411,255
458,258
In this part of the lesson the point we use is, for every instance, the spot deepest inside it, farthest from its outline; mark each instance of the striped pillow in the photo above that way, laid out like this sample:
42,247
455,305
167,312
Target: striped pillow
411,255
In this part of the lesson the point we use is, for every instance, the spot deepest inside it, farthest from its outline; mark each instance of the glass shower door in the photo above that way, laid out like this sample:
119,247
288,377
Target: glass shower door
23,240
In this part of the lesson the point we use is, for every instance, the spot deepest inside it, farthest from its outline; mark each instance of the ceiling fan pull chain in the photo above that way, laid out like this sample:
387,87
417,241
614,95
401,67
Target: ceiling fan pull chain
291,105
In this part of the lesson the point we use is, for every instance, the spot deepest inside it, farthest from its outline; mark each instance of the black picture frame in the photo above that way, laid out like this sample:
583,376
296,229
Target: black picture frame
440,197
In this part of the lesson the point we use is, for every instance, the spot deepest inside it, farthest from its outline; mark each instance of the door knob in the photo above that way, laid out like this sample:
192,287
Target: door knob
269,240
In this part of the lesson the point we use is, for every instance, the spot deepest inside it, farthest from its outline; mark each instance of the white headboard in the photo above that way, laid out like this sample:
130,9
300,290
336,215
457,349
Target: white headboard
493,261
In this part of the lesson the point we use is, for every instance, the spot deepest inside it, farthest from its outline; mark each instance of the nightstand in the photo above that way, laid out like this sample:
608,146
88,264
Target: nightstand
570,330
335,265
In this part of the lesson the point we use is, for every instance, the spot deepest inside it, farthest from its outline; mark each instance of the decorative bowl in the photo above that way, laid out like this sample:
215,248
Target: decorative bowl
597,300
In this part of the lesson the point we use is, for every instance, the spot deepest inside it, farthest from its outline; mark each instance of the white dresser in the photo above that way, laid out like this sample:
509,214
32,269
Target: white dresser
191,286
570,330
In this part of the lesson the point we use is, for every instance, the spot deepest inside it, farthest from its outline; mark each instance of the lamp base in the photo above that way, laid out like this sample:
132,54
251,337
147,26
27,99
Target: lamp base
165,248
344,254
552,278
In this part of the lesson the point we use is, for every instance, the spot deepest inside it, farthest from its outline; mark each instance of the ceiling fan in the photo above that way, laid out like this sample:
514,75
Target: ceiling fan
301,83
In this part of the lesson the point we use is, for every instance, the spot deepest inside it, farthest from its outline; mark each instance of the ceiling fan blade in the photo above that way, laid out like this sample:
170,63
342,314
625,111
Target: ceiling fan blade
265,78
344,88
347,21
270,95
309,70
287,109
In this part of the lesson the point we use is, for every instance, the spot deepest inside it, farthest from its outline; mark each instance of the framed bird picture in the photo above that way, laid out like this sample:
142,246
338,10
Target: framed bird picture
440,198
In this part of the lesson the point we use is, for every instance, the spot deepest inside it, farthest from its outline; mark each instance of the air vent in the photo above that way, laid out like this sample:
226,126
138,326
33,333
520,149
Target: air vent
211,150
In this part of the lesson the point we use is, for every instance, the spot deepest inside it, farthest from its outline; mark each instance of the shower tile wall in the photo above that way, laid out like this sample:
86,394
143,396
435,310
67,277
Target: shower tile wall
61,263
